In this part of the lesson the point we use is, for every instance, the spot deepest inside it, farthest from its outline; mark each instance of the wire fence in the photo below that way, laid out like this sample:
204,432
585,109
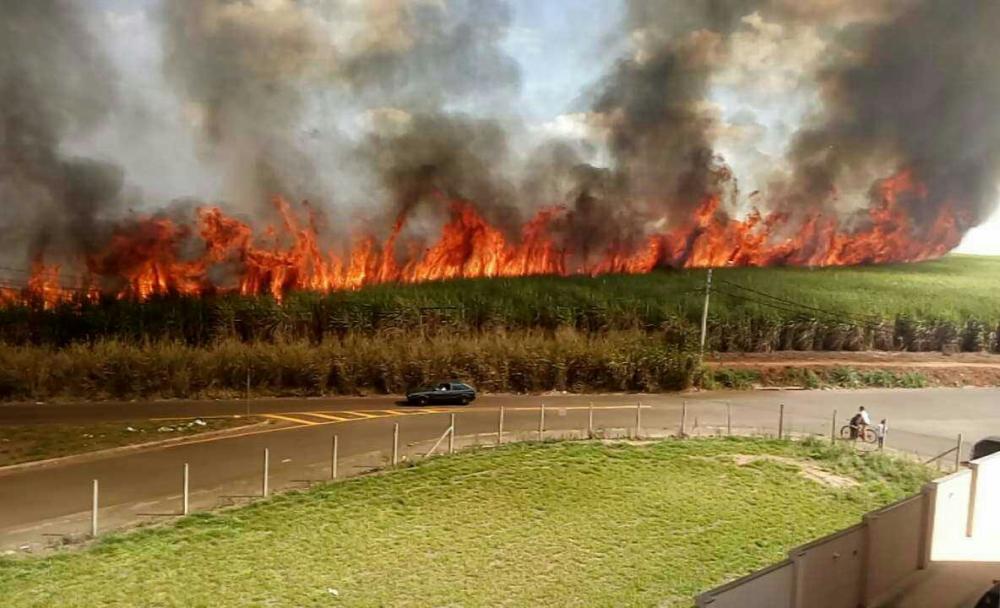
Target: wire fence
185,478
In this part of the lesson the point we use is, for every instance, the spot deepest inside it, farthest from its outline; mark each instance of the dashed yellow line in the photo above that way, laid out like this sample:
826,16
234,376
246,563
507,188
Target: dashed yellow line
291,419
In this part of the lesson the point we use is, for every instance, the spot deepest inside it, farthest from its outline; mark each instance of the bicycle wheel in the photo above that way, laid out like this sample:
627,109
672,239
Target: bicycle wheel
870,436
845,431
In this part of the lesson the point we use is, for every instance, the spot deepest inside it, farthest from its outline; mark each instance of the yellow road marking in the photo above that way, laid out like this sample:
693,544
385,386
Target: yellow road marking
290,419
326,416
392,412
361,414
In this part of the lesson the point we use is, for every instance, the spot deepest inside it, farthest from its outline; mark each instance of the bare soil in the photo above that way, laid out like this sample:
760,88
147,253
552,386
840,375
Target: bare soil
940,369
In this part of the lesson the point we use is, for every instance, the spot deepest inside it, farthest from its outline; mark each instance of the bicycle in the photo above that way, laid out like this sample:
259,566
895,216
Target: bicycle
867,435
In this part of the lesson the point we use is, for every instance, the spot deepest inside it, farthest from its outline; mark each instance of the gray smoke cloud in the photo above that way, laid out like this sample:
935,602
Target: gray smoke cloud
241,68
55,83
438,93
916,92
427,63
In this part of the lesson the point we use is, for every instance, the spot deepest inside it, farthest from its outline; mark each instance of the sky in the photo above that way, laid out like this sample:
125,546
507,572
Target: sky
562,48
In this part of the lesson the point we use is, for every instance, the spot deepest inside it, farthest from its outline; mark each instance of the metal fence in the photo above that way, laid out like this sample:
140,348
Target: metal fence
403,435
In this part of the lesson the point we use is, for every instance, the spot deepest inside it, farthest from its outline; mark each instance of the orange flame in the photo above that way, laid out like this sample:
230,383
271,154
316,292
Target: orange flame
145,258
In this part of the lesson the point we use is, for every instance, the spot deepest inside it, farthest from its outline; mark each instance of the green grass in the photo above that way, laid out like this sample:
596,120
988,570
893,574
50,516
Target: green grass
41,441
544,525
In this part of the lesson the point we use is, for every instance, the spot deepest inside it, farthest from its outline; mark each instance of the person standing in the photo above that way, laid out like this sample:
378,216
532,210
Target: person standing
880,432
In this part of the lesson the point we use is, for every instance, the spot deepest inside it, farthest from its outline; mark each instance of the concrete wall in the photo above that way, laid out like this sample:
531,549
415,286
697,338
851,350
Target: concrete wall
955,519
985,498
769,588
950,516
829,572
896,544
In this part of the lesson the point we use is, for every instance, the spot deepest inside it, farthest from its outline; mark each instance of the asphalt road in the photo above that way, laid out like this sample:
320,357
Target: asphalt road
42,505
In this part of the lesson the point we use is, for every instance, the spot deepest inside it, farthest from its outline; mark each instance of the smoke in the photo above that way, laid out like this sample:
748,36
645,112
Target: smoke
55,83
241,67
918,92
399,105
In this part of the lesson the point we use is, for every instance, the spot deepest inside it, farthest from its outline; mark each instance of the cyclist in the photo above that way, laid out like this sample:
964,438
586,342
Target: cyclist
860,422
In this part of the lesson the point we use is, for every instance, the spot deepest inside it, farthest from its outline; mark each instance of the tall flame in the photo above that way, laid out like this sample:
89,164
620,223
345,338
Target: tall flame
146,258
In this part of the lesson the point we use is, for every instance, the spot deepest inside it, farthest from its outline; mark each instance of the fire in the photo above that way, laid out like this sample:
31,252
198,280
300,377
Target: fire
156,256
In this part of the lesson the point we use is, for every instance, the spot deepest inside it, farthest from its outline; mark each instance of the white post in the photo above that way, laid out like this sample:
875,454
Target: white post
451,436
781,421
704,312
590,420
248,387
638,419
684,414
541,422
958,453
395,444
333,458
729,418
267,466
186,503
500,427
93,512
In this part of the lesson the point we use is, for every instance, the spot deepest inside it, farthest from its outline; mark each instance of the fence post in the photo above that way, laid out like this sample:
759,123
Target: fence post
729,419
333,457
267,466
186,501
395,444
833,428
451,436
500,427
541,422
781,421
958,453
590,420
684,414
638,419
93,512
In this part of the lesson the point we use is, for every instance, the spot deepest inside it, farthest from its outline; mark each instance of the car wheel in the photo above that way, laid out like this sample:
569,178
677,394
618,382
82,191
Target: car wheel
466,401
422,401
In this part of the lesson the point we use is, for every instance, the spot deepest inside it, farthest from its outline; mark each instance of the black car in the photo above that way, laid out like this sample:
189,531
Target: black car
990,445
446,392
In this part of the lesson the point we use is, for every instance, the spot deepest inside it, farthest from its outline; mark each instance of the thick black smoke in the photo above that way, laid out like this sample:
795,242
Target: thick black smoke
426,62
54,84
918,92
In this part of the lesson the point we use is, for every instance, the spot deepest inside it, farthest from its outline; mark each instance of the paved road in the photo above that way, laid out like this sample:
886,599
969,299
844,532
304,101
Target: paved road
40,505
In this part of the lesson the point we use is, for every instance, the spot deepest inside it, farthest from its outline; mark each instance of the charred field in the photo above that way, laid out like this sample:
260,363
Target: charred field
607,333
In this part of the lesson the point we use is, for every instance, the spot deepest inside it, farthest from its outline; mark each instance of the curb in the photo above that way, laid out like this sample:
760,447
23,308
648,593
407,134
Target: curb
135,447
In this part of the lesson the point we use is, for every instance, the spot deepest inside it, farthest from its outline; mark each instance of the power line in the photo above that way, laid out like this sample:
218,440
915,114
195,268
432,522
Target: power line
837,315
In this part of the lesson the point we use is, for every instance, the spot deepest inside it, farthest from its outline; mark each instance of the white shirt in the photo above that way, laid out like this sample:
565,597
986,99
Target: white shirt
866,418
880,430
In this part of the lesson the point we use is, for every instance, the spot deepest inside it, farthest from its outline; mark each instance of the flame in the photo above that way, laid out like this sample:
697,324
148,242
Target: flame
152,256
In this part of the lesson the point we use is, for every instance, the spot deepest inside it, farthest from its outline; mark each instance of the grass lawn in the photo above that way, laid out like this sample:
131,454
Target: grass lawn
40,441
557,524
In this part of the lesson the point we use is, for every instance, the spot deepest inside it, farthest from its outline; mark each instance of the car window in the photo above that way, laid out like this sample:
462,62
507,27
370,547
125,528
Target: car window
463,387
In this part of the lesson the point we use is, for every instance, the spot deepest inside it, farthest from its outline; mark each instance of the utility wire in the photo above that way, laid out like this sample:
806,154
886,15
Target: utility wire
841,316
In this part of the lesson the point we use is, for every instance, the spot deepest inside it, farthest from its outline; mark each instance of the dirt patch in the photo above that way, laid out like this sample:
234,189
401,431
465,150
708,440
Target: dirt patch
807,470
934,369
